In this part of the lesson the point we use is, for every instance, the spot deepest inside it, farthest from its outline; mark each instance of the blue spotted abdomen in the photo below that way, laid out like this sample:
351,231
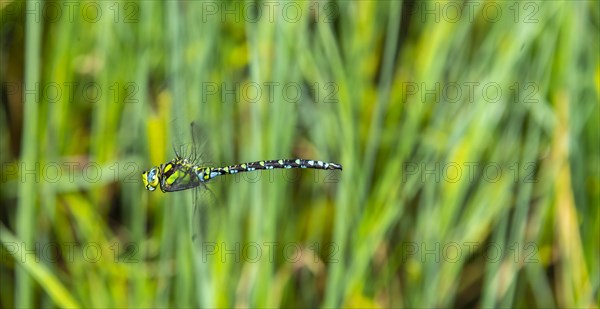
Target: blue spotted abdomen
274,164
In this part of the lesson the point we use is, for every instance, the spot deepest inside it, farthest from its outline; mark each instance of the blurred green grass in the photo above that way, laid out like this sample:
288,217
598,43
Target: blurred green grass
377,82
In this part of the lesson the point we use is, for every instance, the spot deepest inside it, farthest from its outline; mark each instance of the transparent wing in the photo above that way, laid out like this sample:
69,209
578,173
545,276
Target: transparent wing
204,216
201,152
204,243
190,142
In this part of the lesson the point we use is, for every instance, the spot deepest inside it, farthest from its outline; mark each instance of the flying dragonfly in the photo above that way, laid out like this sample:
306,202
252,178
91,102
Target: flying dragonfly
182,173
188,172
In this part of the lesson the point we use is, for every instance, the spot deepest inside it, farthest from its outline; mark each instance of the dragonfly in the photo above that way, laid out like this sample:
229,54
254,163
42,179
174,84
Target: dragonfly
183,173
186,172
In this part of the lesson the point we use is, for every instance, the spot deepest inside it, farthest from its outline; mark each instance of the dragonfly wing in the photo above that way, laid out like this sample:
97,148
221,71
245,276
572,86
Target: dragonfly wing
201,148
203,215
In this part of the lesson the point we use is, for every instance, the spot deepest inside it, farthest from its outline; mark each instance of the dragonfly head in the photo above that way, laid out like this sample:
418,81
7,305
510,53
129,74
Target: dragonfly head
150,178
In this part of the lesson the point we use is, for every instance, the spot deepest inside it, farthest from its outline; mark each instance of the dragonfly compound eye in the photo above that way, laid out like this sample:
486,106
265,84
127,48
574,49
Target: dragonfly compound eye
150,179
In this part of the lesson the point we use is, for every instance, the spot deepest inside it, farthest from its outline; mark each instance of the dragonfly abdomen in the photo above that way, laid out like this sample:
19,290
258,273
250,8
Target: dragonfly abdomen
272,164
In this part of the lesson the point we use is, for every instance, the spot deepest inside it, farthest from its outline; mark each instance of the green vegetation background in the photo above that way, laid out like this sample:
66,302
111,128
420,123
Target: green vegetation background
404,225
